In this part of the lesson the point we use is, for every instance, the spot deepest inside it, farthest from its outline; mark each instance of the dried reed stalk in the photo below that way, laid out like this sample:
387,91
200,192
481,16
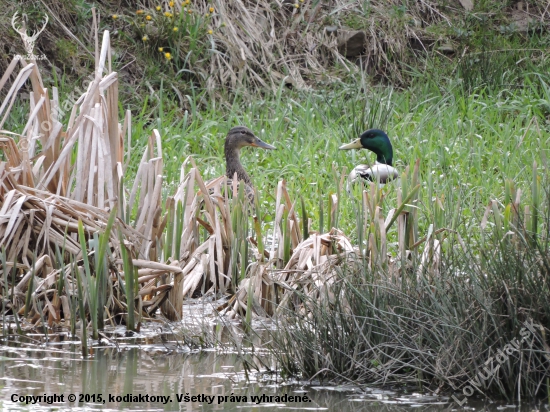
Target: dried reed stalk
61,182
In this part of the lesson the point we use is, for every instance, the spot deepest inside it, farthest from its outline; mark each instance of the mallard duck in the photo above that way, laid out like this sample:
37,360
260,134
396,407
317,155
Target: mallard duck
378,142
237,138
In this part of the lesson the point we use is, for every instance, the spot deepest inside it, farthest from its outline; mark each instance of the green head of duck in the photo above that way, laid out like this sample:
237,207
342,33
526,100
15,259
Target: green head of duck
378,142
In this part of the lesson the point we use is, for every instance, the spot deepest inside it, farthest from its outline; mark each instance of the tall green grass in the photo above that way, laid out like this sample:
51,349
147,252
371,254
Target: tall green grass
468,144
475,146
477,143
432,333
96,272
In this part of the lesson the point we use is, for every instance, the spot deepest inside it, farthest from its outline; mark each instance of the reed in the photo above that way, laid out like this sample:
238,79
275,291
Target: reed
130,288
424,265
83,319
66,192
5,272
432,320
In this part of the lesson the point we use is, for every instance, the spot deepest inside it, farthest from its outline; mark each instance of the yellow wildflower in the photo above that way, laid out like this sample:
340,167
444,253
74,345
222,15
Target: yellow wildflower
189,11
175,29
211,9
210,31
148,17
171,4
167,55
161,49
187,2
145,38
297,5
115,16
167,14
207,15
139,12
158,8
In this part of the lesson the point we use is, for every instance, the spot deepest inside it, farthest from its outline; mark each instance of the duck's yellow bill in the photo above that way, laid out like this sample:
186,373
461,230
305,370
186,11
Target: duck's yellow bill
356,144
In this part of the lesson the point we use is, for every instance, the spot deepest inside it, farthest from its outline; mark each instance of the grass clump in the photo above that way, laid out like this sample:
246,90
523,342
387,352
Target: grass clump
480,323
456,251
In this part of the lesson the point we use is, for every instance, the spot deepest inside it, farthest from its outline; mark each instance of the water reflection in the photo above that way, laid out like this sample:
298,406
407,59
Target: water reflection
217,381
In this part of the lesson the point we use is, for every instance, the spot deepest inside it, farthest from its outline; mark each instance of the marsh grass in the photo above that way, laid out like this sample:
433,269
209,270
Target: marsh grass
476,233
473,166
431,331
65,216
468,144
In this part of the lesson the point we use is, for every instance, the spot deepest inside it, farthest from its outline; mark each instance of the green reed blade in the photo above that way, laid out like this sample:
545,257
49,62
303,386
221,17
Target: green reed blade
535,203
130,276
286,238
321,215
305,229
170,228
84,337
30,288
402,206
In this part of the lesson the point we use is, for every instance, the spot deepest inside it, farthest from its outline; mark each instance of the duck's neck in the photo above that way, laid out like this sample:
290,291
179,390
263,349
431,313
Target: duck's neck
382,160
233,164
384,153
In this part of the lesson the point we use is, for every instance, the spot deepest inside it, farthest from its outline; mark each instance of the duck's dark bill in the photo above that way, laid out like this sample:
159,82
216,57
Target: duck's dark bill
356,144
263,145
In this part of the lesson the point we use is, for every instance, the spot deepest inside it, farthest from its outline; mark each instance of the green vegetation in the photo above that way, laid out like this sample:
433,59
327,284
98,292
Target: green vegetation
433,290
468,145
432,331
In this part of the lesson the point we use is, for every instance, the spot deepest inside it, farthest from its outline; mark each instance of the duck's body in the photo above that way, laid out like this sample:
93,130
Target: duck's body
237,138
378,142
378,172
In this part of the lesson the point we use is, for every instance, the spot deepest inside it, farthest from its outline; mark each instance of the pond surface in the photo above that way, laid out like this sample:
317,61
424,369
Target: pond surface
153,370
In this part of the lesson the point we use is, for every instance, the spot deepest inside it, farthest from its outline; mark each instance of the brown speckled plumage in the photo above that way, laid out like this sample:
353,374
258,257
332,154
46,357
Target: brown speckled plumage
237,138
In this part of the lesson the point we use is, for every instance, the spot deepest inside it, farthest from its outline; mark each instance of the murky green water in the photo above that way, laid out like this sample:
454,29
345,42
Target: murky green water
142,373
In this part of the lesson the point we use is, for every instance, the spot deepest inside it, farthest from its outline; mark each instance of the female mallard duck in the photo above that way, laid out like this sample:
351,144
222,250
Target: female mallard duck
378,142
237,138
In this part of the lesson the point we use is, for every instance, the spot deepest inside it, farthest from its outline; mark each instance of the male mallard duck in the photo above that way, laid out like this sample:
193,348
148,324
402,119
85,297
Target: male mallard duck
237,138
378,142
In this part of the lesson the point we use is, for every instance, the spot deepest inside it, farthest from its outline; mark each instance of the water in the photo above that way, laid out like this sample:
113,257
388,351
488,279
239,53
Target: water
33,370
154,368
